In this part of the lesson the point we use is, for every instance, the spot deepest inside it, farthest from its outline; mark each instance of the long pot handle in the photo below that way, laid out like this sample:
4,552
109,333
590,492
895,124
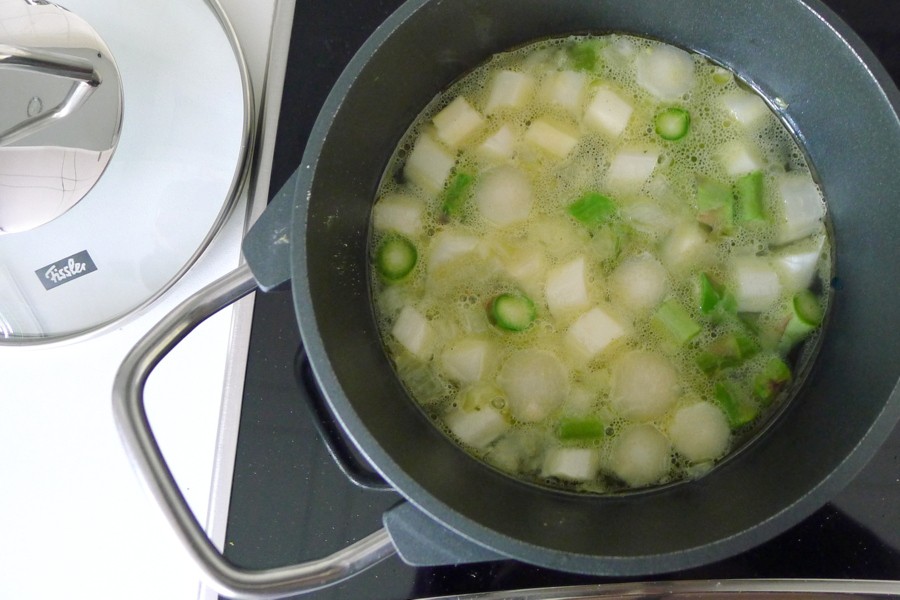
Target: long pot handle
137,436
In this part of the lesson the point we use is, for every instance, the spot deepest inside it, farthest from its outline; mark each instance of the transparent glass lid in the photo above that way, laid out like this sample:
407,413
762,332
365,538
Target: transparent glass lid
124,133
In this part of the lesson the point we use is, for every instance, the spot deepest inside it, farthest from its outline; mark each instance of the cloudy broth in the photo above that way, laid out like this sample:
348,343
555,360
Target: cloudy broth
595,261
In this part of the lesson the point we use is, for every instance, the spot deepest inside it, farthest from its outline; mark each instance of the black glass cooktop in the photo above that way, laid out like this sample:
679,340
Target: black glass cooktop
290,502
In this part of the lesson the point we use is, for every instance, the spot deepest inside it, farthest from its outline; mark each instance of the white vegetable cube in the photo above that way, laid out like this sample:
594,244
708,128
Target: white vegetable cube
456,122
566,290
536,382
647,216
802,207
640,455
429,164
414,332
739,158
747,108
399,212
631,167
500,145
700,432
608,112
757,286
593,332
504,196
447,246
509,89
468,360
525,265
620,53
686,247
639,283
665,71
644,385
573,464
476,428
797,264
550,137
565,89
580,400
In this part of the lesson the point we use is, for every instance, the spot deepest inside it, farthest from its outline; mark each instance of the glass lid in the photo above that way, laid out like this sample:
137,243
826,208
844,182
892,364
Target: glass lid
124,140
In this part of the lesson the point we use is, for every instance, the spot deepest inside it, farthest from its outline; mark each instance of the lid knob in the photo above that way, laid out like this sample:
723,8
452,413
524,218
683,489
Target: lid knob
60,112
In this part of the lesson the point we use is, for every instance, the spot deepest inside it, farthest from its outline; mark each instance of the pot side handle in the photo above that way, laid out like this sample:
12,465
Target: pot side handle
423,542
267,246
147,459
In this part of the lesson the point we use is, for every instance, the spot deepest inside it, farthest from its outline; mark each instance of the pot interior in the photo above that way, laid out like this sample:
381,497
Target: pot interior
843,112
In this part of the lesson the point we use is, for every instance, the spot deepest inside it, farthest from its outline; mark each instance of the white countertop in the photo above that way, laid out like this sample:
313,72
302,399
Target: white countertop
74,518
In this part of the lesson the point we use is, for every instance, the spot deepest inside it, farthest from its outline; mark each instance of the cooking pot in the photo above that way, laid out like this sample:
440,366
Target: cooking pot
829,90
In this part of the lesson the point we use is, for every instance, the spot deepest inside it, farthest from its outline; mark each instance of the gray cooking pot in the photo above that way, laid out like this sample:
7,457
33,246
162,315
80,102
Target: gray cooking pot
829,90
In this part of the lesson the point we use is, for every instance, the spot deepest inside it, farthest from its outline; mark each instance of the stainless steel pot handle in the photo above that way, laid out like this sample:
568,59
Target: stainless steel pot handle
137,436
85,80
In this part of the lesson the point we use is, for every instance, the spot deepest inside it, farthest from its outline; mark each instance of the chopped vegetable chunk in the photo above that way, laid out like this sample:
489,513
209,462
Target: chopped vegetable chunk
551,137
457,122
700,432
509,89
512,312
477,428
593,331
535,382
504,196
769,382
672,123
429,164
576,464
748,191
608,112
739,409
566,290
631,167
456,194
665,71
566,89
593,209
585,55
588,428
677,322
395,258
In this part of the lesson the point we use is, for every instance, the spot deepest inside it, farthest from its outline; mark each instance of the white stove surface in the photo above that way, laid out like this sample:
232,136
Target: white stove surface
74,518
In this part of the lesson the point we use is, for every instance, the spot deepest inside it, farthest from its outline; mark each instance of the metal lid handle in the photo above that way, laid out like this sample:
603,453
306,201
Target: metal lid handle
85,80
134,429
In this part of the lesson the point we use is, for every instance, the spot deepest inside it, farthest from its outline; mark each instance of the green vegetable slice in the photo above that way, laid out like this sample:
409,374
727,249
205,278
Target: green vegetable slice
806,316
715,301
512,312
395,257
585,56
580,429
808,309
593,209
715,204
673,123
774,376
730,350
748,192
675,319
455,195
738,409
